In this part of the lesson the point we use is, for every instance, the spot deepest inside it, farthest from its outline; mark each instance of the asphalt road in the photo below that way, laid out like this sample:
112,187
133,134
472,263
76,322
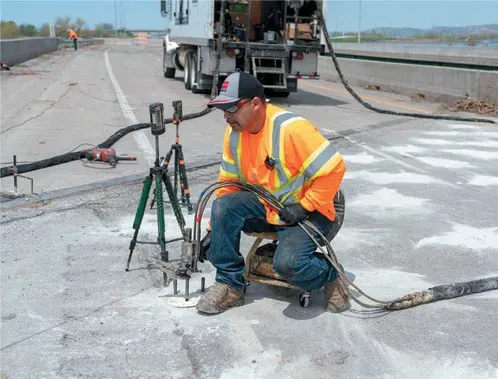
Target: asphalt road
421,211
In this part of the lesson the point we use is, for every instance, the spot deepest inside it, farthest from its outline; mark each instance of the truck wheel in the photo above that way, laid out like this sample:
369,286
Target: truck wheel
169,72
194,74
186,74
272,93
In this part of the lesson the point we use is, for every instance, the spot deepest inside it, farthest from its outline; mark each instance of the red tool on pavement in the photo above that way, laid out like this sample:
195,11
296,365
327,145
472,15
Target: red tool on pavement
105,155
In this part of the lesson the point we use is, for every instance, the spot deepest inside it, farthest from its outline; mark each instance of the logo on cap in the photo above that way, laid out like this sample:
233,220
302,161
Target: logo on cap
224,86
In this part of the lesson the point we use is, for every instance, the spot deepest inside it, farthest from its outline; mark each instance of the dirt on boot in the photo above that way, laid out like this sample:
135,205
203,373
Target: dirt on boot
219,298
336,296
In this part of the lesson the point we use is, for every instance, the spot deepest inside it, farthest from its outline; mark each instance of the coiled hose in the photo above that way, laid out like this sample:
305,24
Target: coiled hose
431,295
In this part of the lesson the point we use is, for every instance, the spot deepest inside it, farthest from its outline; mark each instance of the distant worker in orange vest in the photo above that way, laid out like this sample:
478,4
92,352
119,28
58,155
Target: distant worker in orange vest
71,34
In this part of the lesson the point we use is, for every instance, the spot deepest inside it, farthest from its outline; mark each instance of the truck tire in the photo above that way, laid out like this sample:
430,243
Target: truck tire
187,81
273,93
169,72
194,74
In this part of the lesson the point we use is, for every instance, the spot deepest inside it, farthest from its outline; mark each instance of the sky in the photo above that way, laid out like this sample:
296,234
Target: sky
342,15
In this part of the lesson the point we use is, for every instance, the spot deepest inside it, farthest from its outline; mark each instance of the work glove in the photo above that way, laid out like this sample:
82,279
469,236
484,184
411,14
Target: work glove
204,247
292,214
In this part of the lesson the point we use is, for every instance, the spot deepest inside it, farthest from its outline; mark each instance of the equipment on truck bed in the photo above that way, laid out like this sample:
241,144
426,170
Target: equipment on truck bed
277,41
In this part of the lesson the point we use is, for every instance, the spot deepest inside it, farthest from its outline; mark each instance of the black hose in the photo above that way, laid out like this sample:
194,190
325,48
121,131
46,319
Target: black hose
385,111
443,292
74,156
433,294
219,47
64,158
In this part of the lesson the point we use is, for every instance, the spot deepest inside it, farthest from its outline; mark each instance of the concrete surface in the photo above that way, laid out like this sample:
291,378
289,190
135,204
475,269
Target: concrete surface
421,211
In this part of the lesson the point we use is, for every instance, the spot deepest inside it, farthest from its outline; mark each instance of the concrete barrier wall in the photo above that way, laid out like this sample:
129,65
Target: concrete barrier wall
15,51
439,83
477,55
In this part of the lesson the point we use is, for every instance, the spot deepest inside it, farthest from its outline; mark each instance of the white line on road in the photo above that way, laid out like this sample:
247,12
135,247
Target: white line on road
139,135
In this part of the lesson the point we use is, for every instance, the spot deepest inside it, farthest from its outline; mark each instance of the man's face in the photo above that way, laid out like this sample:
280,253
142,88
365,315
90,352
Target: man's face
241,116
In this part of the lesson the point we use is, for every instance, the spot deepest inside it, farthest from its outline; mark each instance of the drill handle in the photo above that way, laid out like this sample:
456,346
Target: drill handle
126,158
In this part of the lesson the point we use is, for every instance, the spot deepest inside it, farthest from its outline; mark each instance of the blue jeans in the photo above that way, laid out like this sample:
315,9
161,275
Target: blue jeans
294,259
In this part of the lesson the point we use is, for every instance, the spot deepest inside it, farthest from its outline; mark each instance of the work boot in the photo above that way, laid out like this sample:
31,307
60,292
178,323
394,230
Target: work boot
219,298
336,296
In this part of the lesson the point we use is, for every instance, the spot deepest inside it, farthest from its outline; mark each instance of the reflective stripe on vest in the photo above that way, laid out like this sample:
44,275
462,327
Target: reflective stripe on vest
287,189
322,158
228,167
279,122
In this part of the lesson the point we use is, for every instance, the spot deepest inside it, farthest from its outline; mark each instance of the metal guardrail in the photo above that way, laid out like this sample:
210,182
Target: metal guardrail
422,62
65,43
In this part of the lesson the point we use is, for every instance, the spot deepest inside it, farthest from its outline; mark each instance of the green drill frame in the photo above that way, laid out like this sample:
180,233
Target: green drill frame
159,175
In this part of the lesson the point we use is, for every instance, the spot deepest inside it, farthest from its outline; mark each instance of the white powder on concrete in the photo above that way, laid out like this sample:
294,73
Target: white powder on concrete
405,149
442,162
388,177
478,154
488,133
442,142
431,365
361,158
484,180
388,202
465,236
149,223
352,239
489,295
388,283
463,127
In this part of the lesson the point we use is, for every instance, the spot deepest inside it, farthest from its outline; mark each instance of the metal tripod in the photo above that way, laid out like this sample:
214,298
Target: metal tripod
159,175
179,172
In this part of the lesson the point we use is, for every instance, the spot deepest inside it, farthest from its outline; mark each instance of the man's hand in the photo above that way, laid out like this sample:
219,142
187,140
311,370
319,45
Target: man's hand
292,214
205,244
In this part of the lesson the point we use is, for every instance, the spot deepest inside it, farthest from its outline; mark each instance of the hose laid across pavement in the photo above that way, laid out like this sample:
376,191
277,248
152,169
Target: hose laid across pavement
379,110
410,300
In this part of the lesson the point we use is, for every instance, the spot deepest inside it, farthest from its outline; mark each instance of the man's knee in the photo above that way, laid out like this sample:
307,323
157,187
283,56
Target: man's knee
221,207
285,264
231,203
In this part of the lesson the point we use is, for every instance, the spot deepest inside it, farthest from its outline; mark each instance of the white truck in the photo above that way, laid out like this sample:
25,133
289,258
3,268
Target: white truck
278,41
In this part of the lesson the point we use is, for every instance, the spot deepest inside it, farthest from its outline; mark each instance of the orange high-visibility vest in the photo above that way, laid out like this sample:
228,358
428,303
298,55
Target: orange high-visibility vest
307,168
72,34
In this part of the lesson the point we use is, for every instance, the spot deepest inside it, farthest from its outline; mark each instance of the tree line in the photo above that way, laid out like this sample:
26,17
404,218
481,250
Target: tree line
9,29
